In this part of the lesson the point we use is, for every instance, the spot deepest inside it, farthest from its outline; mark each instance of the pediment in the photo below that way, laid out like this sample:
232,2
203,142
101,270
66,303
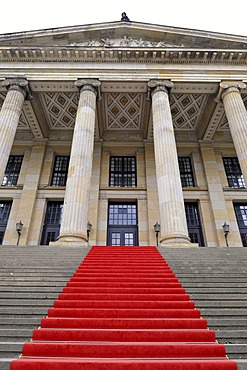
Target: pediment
131,35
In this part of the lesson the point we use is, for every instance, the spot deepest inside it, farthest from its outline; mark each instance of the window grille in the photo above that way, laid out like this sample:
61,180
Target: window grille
122,214
60,170
122,172
12,170
241,214
5,208
186,172
233,172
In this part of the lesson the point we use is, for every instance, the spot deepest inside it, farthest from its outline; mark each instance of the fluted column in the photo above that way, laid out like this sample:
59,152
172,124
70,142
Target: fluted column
9,117
75,213
174,230
237,119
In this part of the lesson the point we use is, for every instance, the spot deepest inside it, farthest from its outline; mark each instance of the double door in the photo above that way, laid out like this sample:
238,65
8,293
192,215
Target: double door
122,224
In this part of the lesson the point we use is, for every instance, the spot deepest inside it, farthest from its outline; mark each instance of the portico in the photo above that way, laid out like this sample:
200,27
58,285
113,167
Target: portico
137,122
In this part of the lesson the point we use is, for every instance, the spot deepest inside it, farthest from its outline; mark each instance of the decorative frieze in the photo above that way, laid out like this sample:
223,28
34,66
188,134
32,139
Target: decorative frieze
111,50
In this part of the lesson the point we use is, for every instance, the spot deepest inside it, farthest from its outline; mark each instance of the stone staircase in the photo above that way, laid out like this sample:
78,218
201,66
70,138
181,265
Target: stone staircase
30,280
32,277
216,279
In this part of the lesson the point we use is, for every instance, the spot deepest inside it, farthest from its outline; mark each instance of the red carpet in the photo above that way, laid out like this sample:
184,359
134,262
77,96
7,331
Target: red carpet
123,309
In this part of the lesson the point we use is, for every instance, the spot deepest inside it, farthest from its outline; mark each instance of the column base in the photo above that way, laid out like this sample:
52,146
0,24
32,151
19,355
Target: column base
179,245
70,240
177,242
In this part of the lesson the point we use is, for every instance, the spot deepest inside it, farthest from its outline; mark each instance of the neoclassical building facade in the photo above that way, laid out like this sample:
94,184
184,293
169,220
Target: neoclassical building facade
111,128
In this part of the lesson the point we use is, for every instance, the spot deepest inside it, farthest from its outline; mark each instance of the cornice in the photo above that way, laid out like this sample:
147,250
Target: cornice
128,53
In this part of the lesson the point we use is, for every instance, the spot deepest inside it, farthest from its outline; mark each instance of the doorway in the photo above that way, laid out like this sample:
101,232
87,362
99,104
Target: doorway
122,224
52,222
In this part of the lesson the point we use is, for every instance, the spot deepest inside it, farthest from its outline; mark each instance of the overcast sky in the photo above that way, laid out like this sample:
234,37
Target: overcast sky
223,16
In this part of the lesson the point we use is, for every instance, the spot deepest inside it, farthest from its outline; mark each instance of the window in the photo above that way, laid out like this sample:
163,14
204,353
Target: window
122,214
241,214
60,170
12,170
194,223
5,208
52,223
186,173
233,172
122,172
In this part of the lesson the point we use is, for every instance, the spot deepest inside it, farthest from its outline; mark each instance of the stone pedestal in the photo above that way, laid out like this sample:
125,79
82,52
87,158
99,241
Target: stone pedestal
75,213
9,117
173,223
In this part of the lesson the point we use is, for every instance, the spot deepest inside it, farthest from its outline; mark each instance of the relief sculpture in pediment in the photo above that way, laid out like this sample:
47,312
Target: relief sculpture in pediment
126,41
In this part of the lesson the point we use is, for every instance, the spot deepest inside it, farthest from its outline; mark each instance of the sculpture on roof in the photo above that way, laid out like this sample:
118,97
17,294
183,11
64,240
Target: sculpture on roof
125,18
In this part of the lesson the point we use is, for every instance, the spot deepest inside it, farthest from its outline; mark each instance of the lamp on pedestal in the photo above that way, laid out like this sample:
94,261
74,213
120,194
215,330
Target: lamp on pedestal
226,229
157,231
18,228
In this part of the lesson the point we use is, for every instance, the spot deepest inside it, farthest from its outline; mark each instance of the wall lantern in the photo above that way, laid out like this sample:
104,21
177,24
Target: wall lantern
226,229
157,231
18,228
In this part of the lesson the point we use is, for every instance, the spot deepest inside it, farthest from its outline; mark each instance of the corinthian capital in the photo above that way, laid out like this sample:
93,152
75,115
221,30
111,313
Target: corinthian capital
19,84
159,85
91,85
229,86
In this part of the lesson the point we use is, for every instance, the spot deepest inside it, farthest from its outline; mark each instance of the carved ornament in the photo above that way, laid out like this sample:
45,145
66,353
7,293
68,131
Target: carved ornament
125,41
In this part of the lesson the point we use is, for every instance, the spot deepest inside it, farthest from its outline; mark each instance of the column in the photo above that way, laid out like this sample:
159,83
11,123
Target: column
75,214
237,118
173,223
10,113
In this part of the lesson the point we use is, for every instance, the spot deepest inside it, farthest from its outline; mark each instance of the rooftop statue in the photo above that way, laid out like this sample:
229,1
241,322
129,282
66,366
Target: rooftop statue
125,18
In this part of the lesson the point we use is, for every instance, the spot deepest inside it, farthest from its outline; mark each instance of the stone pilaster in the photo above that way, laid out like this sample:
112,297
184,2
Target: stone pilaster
75,213
173,223
94,192
9,117
216,196
237,118
28,200
152,193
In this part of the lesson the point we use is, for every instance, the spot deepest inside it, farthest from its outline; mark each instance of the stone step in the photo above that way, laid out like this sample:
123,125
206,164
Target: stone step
217,296
231,336
15,335
21,311
225,322
218,290
23,303
5,363
236,350
21,322
30,286
14,279
35,275
221,304
242,363
9,349
209,279
29,295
